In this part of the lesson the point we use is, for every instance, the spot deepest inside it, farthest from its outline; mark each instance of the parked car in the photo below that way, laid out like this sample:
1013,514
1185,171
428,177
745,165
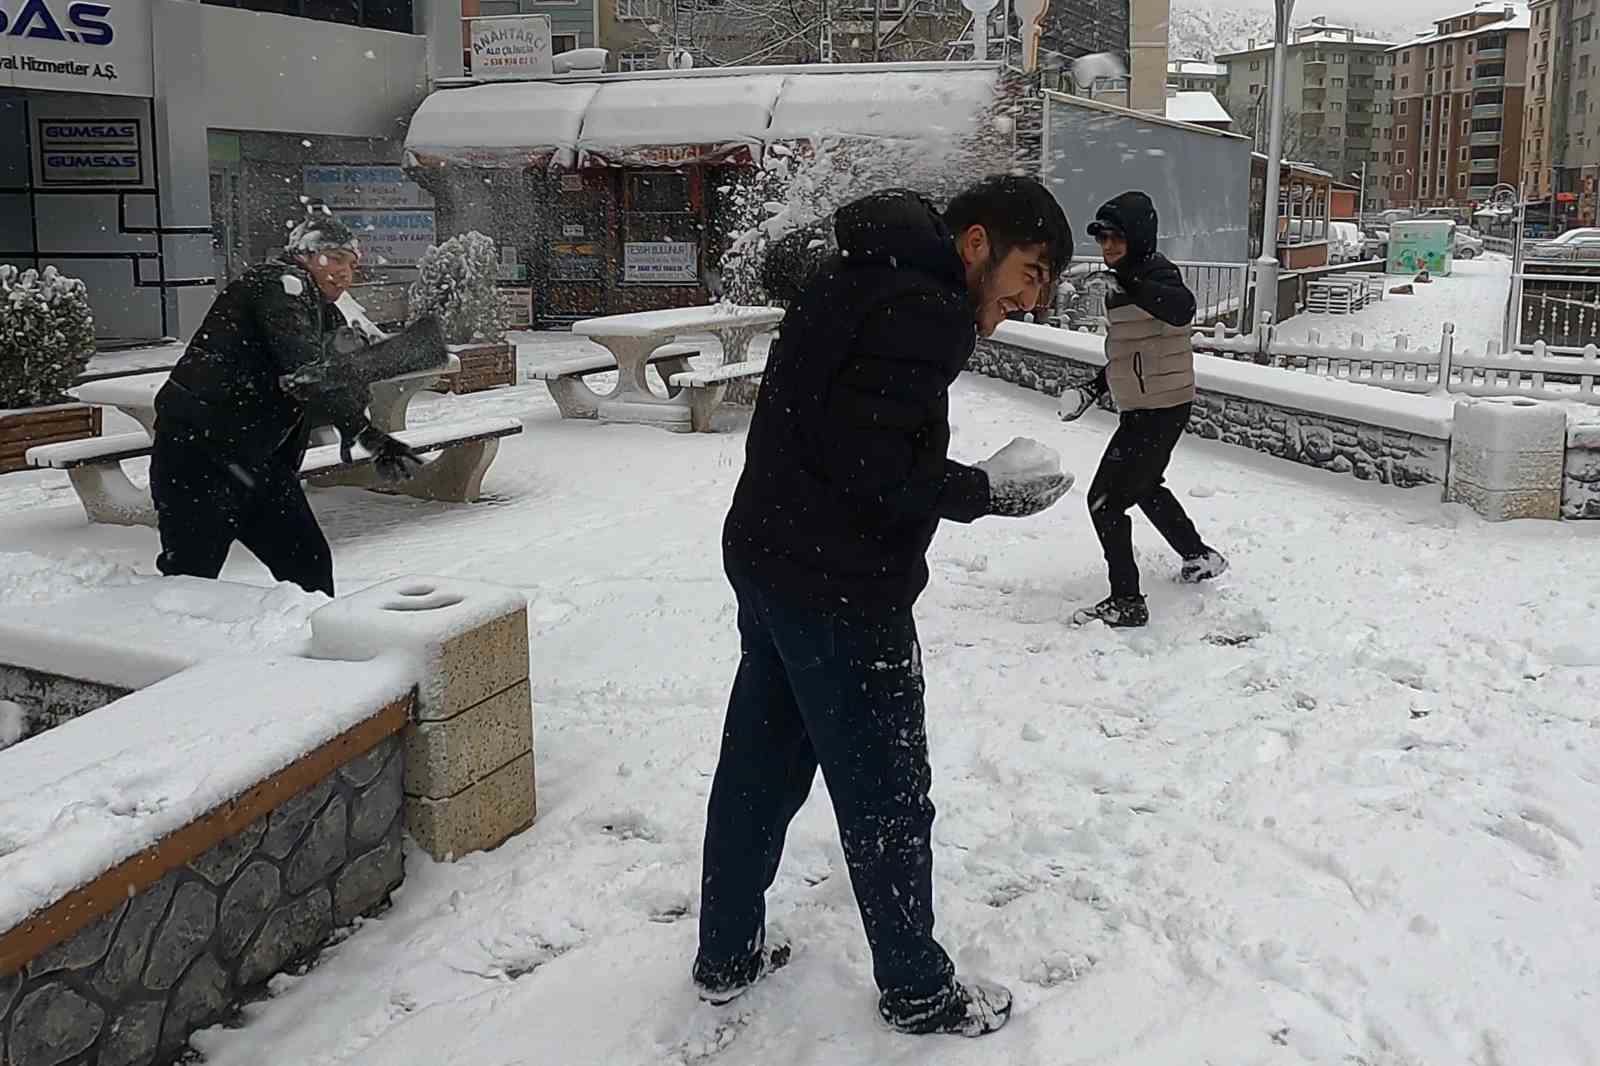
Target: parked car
1468,244
1375,244
1581,243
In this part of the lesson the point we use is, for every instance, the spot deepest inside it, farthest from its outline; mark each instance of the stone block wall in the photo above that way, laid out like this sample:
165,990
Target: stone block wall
1370,453
47,700
1580,479
128,988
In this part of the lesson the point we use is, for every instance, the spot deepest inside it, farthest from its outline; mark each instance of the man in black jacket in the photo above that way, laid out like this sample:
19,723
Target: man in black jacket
1150,373
229,439
846,479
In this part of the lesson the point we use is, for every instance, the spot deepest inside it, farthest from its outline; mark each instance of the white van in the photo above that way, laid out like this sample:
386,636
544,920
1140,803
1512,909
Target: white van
1344,242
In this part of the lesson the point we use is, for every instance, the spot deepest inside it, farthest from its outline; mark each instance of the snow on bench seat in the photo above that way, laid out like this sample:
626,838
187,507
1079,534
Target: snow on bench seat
79,800
135,635
602,361
76,453
434,438
700,379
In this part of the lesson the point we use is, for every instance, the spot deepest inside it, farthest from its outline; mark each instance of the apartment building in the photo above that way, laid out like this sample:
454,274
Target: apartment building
1561,146
1195,75
1459,100
1338,102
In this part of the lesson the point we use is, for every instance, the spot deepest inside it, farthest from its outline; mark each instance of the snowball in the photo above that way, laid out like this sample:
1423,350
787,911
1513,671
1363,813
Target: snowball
370,54
292,285
1024,457
1004,123
305,144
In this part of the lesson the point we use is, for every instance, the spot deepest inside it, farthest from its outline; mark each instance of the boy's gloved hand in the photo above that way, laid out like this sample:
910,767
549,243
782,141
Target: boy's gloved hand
1025,478
1074,402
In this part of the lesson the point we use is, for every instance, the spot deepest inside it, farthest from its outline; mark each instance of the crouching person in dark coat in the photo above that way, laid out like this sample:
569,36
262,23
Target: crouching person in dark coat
846,479
229,439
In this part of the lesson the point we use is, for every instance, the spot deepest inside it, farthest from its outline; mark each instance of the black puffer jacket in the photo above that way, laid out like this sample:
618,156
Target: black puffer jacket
846,475
224,392
1147,276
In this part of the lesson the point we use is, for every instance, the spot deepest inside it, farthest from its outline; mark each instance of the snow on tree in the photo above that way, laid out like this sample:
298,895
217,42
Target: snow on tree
783,210
720,33
46,335
456,283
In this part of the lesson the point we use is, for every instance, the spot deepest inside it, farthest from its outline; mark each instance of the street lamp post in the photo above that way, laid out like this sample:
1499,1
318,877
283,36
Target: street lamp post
1267,265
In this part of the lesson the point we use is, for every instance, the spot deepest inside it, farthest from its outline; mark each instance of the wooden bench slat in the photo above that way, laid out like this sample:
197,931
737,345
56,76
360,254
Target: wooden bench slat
72,454
326,459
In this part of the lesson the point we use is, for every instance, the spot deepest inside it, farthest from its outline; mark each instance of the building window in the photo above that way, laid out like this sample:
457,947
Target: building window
1399,181
1255,90
1400,157
1255,64
637,61
563,42
1338,83
393,15
635,9
1424,185
1404,105
1461,181
1444,156
1388,157
1463,155
1405,82
1430,57
657,207
1466,126
1336,106
1469,48
1338,57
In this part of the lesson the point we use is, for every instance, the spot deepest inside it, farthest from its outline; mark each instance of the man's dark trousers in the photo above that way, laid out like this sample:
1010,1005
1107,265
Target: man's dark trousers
1133,472
842,690
206,499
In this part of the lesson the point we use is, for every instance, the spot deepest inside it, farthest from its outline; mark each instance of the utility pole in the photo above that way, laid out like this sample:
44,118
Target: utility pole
1267,265
877,30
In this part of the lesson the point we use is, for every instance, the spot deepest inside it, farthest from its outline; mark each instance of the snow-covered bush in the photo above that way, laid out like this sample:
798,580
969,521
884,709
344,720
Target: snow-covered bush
455,283
46,335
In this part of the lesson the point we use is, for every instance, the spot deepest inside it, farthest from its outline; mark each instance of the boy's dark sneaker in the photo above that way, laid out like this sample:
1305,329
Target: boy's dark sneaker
1203,568
1118,612
973,1008
726,984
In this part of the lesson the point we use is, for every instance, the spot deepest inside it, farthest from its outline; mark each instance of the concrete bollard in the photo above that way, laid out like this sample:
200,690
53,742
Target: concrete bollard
1506,457
469,772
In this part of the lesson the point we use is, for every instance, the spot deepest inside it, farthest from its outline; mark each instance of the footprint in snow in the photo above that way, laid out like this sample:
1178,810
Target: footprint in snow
710,1032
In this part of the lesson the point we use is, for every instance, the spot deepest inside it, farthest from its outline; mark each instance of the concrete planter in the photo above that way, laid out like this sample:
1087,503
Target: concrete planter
483,366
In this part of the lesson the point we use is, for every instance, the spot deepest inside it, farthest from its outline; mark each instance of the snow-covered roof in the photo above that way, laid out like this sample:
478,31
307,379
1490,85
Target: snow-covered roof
1200,107
1521,19
1196,68
607,115
1339,37
903,107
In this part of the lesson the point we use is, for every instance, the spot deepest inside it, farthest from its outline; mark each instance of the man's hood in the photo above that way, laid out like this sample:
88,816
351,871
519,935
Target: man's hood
898,228
1134,216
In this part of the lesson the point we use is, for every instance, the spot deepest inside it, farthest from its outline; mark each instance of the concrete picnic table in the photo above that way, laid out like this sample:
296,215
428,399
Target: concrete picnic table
135,396
632,338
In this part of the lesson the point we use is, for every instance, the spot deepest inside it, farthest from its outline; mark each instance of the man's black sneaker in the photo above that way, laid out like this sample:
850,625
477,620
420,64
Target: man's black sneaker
1119,612
974,1008
725,987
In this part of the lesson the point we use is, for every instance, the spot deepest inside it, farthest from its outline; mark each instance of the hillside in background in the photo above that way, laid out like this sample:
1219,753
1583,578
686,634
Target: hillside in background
1200,29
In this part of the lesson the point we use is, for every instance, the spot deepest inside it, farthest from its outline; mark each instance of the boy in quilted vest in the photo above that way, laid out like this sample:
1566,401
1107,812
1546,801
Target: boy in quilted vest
1150,373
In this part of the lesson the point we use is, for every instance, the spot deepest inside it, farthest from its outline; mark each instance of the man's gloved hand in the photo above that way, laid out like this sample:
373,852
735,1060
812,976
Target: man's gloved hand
1025,478
393,459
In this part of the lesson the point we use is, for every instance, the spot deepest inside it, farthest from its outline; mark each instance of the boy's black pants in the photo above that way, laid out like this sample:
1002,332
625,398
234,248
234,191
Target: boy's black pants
1133,472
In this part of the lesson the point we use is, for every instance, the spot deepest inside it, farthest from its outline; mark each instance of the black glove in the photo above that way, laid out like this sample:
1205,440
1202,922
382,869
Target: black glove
393,459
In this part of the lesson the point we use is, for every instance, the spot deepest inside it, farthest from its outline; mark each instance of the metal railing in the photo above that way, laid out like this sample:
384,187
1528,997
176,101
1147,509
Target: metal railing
1558,310
1221,293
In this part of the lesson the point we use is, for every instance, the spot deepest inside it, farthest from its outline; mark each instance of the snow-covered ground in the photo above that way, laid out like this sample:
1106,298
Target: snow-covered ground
1473,297
1335,809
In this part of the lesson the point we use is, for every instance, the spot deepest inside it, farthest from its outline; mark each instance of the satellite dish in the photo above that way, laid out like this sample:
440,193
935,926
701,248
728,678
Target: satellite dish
1086,70
980,7
681,60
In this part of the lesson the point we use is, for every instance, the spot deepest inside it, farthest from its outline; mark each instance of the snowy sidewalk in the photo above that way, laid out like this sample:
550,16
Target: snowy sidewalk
1474,298
1334,809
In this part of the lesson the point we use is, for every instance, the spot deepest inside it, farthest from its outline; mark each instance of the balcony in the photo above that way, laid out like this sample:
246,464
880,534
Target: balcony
1487,139
1485,166
1497,82
1489,111
1480,192
1484,55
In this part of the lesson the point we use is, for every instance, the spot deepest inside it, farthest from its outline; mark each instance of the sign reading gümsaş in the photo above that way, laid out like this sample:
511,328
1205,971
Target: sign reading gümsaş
77,46
91,151
511,46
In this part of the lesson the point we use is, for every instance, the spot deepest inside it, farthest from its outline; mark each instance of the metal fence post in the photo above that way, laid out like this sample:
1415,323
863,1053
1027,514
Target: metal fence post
1447,351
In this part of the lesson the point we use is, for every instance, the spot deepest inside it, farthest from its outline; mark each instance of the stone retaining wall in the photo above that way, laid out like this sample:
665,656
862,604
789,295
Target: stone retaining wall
1369,452
128,988
1580,480
47,700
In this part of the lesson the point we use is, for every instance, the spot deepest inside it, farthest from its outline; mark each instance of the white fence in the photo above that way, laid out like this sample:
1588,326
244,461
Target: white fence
1546,373
1221,292
1400,368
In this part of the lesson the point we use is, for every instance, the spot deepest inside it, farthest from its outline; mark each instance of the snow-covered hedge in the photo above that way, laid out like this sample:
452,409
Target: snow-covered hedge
46,335
456,283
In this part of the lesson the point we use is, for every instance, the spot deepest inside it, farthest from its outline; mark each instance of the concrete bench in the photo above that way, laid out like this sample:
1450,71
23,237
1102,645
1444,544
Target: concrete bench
466,449
575,399
1375,283
706,388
